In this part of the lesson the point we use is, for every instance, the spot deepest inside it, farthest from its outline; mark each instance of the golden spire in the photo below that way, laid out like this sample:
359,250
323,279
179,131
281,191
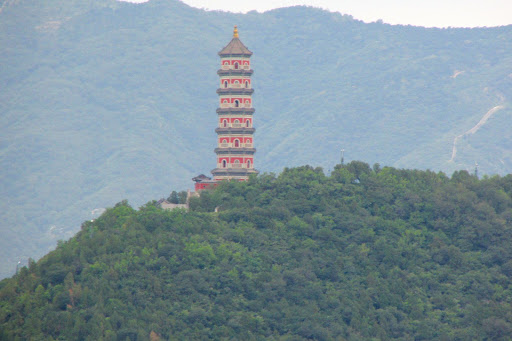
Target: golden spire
235,32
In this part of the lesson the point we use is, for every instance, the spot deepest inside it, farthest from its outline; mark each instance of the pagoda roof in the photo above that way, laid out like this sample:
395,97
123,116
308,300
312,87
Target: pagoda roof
235,46
201,178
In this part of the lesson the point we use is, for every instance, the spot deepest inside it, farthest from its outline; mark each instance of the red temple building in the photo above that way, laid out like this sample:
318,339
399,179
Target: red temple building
235,133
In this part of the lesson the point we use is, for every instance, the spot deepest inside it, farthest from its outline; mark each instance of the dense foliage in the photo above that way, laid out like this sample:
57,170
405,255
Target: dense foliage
102,100
363,253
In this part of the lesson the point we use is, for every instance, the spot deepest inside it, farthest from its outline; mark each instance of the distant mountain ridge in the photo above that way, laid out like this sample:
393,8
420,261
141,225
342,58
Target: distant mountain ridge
105,100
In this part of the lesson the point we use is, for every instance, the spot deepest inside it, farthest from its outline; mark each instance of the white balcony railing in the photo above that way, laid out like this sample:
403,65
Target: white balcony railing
232,67
234,165
232,145
227,105
235,86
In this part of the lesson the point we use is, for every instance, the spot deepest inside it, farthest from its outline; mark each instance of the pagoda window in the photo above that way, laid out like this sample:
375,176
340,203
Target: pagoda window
236,65
246,84
224,123
247,123
237,143
248,163
225,84
224,163
237,103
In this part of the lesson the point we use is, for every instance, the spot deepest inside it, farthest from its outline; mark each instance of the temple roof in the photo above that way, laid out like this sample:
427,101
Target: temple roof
201,178
235,46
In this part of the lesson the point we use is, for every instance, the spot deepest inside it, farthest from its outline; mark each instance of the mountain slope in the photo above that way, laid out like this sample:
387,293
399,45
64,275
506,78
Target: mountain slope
361,254
103,100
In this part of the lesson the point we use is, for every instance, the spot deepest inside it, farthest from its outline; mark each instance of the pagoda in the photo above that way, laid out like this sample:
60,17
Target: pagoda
235,133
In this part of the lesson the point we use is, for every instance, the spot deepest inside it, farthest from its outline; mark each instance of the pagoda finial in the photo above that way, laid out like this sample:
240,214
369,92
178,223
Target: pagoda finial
235,32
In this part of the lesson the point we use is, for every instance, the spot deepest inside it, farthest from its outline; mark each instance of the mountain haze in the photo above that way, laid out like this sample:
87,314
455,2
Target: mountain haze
105,100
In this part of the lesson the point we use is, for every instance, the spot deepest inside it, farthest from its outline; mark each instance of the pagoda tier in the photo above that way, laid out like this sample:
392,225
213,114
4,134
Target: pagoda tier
233,92
225,71
236,111
234,131
235,143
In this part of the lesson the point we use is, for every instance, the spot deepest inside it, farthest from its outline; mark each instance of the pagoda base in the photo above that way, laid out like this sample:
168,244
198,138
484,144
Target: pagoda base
232,173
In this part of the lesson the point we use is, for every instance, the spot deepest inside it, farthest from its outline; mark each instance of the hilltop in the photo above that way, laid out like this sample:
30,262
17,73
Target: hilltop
365,253
103,100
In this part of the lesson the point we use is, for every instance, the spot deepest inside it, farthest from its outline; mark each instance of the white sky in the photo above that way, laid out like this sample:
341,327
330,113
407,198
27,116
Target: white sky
429,13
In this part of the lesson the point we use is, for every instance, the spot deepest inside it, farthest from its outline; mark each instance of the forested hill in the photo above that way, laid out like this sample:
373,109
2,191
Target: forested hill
363,253
103,100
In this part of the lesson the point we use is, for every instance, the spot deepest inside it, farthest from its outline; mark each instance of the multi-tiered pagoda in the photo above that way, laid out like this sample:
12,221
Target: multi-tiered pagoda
235,133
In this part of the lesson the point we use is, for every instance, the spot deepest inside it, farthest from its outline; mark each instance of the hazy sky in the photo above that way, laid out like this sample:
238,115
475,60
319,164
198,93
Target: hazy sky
430,13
